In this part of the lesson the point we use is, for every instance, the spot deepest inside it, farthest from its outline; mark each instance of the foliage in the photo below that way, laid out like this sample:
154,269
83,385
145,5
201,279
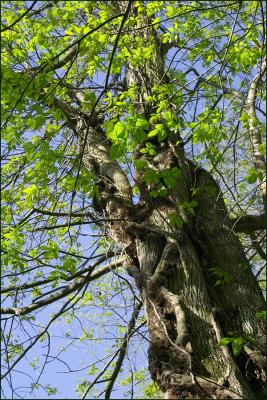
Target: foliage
54,242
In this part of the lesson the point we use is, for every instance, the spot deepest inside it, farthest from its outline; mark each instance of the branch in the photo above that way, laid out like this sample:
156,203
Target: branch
121,182
68,224
61,61
123,349
42,8
248,223
64,292
56,214
20,17
71,49
224,89
44,331
258,248
254,131
30,285
58,60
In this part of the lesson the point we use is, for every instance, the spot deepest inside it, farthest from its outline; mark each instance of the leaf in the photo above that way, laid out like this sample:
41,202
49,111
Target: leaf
252,176
238,344
162,135
176,172
175,220
69,265
143,150
225,341
139,164
139,135
154,194
168,115
109,128
120,129
261,314
152,152
149,145
153,133
63,275
263,149
170,181
150,176
193,203
142,123
116,151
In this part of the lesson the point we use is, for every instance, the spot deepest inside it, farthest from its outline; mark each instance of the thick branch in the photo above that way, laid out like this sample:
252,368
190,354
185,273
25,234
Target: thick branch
257,246
94,146
249,223
224,89
254,130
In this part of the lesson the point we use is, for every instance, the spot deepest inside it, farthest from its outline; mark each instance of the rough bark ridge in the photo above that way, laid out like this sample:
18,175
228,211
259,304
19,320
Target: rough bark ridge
174,268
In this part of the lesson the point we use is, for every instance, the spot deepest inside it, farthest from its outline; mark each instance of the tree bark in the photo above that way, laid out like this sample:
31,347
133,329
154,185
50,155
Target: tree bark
187,314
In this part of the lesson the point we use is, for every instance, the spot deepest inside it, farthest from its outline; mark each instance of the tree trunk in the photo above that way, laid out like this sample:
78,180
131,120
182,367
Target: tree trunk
187,314
176,268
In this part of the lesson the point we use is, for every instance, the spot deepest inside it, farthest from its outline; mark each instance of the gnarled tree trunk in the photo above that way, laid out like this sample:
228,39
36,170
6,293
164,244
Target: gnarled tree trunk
187,314
175,267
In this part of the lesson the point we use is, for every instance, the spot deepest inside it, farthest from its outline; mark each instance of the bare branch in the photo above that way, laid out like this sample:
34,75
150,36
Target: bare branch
62,310
123,349
64,292
89,269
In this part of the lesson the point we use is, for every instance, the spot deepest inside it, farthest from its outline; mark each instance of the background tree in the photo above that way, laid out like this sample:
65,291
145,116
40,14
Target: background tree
142,120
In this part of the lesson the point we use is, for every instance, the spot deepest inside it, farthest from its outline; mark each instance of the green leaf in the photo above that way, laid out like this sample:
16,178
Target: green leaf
154,194
176,172
142,123
152,152
225,341
118,132
168,115
170,181
109,127
252,176
143,150
238,344
162,135
175,219
261,314
263,149
63,275
150,176
139,135
140,164
193,203
153,133
116,151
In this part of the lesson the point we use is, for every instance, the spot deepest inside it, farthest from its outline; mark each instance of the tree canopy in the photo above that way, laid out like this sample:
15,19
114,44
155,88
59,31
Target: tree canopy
97,97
